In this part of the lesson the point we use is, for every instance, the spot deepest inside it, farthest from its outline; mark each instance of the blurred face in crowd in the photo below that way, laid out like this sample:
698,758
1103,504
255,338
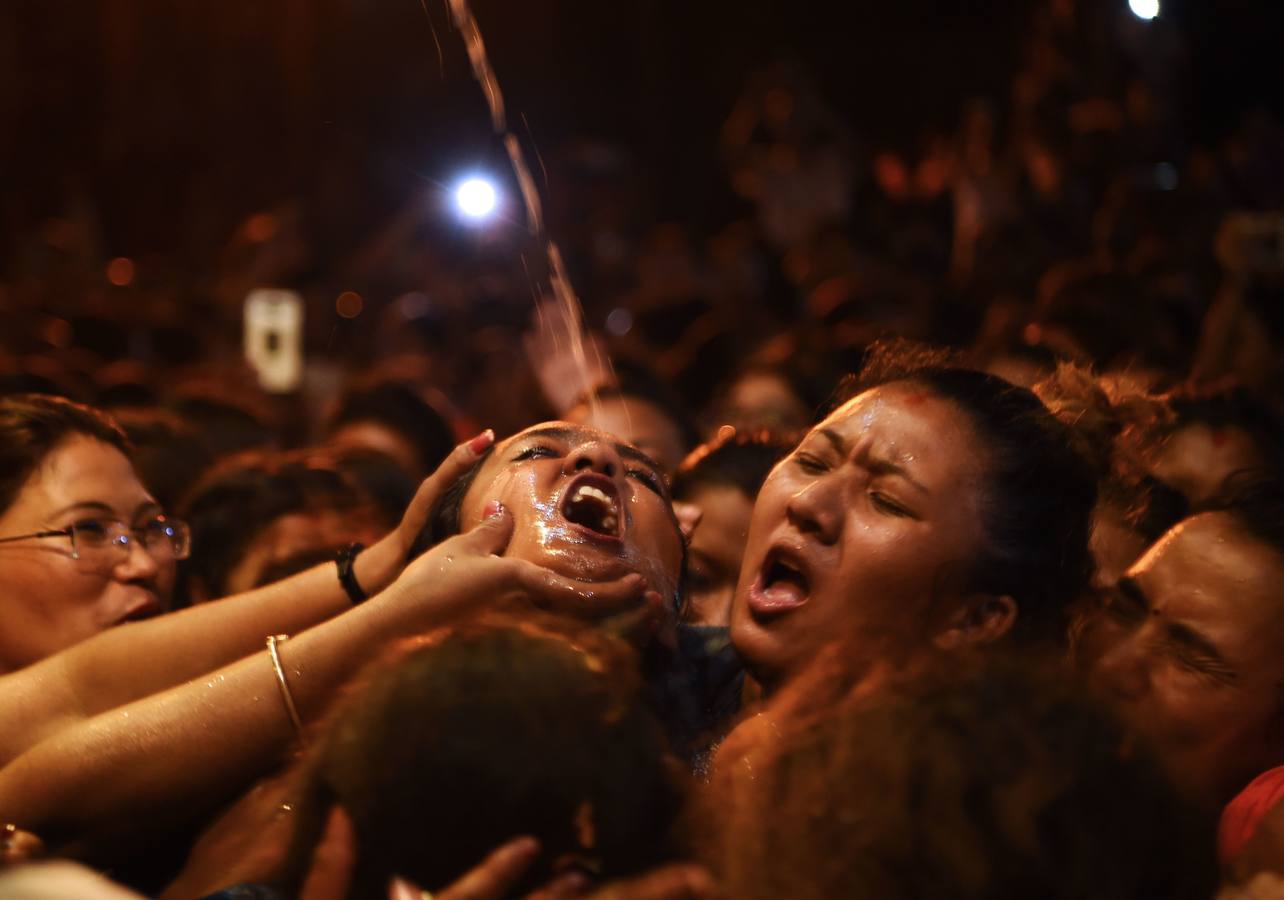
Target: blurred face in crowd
716,551
763,400
1190,654
49,599
859,532
637,422
583,504
297,541
1197,458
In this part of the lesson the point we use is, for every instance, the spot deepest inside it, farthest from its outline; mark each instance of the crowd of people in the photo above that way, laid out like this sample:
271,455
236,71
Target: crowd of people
919,533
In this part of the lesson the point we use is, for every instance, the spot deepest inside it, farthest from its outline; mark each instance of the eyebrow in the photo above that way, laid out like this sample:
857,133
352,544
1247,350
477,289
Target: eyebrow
876,464
87,505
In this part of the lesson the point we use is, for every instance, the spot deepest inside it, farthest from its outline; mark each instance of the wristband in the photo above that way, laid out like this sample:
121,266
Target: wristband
347,577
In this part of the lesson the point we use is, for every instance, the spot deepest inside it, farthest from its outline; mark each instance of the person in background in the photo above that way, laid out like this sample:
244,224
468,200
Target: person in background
394,419
720,479
640,410
1188,653
259,517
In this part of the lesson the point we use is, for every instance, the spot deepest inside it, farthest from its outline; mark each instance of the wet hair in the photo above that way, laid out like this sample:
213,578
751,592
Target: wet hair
1040,490
487,730
33,425
738,460
232,504
950,783
400,408
1256,502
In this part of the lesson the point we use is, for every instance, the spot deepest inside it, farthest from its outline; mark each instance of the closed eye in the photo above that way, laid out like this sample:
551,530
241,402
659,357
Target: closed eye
890,506
809,463
535,451
648,478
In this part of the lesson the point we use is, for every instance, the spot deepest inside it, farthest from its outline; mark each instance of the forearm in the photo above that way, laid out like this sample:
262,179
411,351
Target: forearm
135,660
165,757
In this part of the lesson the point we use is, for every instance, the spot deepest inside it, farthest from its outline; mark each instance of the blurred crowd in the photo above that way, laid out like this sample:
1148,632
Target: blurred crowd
916,532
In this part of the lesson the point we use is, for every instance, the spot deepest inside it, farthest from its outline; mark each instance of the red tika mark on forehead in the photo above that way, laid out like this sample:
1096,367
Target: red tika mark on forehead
916,398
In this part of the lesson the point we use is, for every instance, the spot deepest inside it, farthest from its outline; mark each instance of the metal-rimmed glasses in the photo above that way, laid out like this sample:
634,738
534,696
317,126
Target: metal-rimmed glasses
108,540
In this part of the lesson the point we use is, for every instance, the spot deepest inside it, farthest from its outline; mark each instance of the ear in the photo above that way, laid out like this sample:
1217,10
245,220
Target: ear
689,516
978,619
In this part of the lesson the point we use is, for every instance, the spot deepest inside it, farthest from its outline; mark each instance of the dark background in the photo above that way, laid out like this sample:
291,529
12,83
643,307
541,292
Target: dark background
171,122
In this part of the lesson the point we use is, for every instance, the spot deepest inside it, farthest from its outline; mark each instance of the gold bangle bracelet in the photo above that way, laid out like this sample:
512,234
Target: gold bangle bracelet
274,652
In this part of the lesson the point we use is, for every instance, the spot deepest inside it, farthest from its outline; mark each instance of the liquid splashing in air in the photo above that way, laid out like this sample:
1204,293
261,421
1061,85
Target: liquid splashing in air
589,363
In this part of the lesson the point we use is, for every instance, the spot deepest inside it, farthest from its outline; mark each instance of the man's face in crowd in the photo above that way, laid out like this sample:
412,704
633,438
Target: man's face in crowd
1192,654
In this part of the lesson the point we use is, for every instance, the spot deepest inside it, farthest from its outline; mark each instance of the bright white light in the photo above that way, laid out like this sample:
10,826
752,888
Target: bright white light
475,198
1144,9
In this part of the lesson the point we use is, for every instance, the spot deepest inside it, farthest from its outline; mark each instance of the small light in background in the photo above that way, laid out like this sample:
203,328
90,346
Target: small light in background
120,271
1144,9
476,199
349,304
619,321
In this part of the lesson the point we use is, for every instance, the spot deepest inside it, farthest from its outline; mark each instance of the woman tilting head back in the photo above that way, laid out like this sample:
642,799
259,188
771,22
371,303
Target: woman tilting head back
935,506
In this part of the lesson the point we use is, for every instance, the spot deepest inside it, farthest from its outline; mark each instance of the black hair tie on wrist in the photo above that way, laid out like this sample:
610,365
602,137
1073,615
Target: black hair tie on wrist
347,576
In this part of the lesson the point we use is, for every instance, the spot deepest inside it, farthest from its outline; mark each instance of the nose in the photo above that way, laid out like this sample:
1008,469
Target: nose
595,456
1123,671
816,510
138,564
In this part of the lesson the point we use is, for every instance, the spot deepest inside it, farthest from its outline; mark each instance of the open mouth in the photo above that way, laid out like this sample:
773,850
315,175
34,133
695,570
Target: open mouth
593,503
147,610
782,584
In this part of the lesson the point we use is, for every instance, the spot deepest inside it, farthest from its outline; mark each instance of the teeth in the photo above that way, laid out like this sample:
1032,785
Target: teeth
588,490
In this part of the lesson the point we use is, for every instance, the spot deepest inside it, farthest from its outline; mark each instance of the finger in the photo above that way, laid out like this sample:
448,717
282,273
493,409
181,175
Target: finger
568,884
452,468
588,599
497,875
490,536
676,882
332,861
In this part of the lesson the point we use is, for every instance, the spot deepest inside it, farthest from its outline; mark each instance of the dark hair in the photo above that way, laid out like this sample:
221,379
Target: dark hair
1037,512
400,408
240,496
1117,429
954,783
736,459
494,728
1256,502
33,425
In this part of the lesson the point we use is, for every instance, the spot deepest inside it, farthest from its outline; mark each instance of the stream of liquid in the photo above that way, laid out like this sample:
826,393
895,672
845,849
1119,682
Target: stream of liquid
465,23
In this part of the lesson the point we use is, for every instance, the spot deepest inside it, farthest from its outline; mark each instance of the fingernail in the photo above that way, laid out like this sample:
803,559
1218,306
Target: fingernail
571,884
493,509
482,441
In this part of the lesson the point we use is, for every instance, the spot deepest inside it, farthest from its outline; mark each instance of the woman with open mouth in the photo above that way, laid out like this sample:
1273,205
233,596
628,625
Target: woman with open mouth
936,507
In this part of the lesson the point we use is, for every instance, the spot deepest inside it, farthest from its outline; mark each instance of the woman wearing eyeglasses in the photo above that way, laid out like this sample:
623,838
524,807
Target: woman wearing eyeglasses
83,545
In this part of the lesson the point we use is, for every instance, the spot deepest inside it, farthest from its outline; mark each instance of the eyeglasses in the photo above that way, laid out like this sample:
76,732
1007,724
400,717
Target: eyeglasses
107,541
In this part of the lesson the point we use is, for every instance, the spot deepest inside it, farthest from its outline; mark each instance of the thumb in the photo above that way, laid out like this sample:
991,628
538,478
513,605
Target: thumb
491,535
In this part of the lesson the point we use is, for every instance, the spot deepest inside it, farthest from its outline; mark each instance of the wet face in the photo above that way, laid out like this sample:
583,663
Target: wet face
857,532
637,422
717,549
1191,654
50,600
583,504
